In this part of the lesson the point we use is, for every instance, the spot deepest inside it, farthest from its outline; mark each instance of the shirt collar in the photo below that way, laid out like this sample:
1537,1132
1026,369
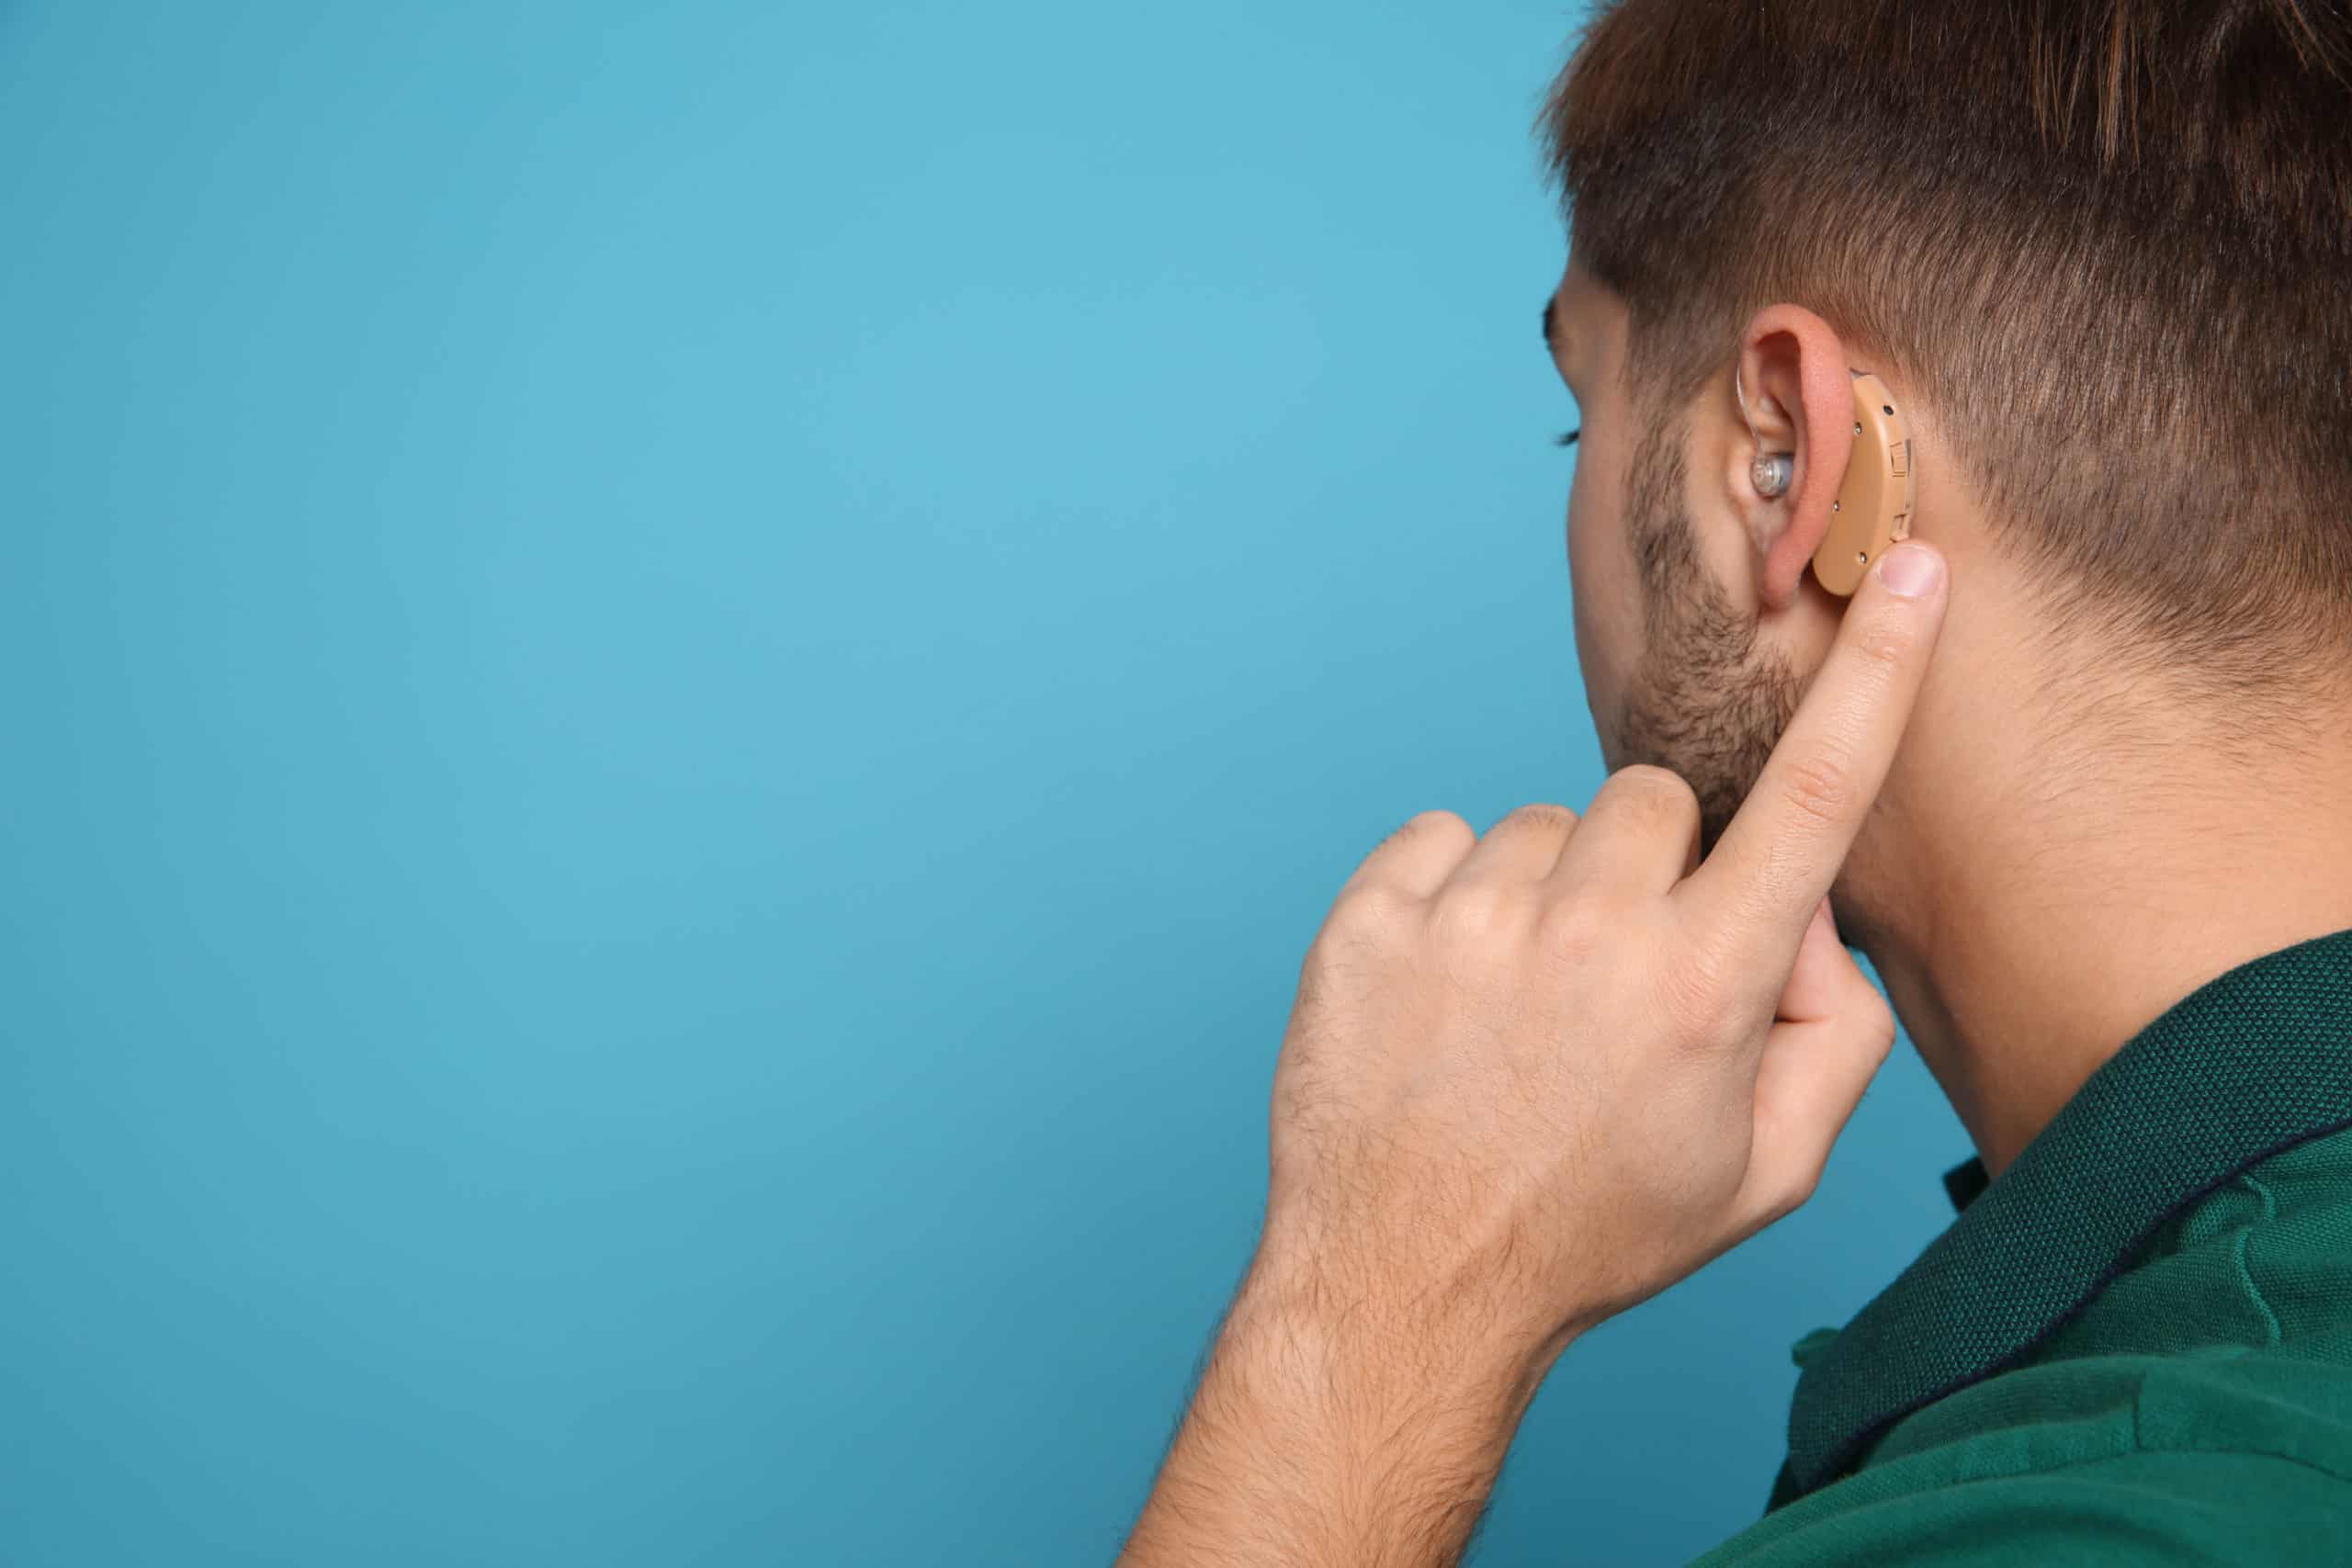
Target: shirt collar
2248,1065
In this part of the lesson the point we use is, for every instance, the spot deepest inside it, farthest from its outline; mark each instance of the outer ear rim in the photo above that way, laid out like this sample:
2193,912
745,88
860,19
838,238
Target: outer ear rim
1823,442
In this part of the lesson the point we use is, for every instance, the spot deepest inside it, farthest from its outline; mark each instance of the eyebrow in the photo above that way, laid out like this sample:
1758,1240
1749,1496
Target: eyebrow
1551,333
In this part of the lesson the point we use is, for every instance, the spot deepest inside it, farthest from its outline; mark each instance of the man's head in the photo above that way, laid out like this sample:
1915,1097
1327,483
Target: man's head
2103,254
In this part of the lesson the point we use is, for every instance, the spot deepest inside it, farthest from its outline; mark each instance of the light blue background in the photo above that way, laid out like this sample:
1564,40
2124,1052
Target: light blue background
681,683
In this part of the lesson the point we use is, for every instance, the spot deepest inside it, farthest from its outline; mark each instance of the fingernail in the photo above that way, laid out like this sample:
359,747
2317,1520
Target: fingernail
1912,570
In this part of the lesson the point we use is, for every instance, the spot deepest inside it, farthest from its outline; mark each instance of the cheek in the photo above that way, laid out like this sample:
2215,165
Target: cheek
1600,570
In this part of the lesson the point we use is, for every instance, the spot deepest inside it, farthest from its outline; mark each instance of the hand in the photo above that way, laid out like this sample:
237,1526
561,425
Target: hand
1534,1079
1530,1081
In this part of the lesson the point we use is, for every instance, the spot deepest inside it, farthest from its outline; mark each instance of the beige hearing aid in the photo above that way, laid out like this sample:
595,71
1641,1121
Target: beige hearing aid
1873,505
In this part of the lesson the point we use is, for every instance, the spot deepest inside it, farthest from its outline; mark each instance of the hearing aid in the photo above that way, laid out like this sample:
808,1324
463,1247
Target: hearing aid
1873,508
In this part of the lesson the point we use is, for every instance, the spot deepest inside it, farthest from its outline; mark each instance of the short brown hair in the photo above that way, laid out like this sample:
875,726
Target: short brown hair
2108,242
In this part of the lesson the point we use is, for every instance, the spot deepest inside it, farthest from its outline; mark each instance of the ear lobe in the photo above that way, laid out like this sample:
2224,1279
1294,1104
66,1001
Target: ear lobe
1798,359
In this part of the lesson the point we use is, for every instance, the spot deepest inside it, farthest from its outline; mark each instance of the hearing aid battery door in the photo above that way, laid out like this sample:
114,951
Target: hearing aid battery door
1873,505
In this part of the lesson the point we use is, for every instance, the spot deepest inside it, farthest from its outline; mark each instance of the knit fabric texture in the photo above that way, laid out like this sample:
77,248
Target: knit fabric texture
2255,1062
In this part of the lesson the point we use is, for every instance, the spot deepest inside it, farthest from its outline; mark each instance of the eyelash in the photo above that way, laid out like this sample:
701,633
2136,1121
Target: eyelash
1567,438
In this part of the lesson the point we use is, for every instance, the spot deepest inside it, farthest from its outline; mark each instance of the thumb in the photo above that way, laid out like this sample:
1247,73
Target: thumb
1834,1034
1823,974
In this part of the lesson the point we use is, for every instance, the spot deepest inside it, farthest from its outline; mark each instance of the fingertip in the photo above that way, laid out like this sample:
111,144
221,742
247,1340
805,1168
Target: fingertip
1912,570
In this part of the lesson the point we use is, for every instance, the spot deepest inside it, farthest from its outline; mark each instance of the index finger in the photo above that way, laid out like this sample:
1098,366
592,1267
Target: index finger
1777,859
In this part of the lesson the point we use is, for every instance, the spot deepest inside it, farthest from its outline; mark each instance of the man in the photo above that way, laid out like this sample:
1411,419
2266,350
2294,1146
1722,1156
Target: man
2074,768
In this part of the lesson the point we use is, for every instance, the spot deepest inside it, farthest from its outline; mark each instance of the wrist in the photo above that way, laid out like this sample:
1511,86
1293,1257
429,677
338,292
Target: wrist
1340,1425
1466,1351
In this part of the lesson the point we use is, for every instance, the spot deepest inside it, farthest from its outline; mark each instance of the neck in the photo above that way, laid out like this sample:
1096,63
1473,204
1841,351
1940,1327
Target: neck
2038,887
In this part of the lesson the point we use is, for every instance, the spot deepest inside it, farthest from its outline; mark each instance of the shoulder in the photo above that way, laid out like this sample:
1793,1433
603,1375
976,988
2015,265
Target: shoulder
2052,1413
2232,1457
2139,1506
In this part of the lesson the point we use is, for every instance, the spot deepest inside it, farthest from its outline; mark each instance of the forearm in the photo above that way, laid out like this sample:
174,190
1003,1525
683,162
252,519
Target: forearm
1337,1431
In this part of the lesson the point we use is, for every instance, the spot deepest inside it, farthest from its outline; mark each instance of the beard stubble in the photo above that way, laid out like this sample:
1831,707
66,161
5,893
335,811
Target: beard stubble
1703,699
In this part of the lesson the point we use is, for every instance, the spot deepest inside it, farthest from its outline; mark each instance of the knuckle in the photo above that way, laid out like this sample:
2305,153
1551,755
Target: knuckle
1664,783
1471,913
1887,642
1372,907
1577,929
1821,788
1892,637
1539,816
1658,796
1438,825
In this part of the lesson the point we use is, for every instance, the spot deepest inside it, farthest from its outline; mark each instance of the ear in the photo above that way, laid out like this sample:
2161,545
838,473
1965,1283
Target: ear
1800,400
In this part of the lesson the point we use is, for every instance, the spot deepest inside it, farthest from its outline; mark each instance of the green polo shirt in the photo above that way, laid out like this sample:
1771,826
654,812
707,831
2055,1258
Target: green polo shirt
2136,1345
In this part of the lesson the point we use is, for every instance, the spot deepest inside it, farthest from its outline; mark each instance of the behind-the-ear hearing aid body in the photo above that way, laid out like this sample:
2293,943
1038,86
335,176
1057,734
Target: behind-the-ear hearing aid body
1873,508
